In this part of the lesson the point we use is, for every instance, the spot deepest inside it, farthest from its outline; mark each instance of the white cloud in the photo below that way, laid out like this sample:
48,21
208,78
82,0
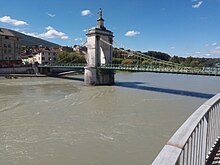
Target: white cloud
85,30
64,37
85,12
215,52
51,33
31,34
197,5
78,39
132,33
212,52
172,47
51,15
14,22
214,44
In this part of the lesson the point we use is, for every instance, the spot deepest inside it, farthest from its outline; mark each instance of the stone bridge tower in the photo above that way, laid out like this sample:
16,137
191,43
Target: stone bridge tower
99,52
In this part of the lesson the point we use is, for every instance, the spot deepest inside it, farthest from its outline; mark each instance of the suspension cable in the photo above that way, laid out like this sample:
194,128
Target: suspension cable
144,56
106,42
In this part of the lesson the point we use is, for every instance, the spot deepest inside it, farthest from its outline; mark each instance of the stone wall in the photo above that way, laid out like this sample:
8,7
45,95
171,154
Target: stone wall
18,70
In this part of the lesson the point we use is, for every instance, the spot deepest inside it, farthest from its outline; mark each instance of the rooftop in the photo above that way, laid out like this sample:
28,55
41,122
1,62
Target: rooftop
6,32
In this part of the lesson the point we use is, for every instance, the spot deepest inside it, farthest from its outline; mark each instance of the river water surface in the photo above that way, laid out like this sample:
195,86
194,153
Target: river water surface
51,121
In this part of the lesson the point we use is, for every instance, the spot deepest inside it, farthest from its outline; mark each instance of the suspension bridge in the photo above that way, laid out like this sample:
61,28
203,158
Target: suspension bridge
139,62
136,62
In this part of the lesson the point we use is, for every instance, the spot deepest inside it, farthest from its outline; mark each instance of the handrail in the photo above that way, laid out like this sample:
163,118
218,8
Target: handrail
195,140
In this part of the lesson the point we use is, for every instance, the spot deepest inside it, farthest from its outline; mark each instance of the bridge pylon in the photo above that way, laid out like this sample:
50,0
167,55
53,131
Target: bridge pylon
99,53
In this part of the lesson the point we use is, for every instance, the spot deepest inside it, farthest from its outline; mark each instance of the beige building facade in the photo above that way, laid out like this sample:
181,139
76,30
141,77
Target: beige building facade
44,57
9,46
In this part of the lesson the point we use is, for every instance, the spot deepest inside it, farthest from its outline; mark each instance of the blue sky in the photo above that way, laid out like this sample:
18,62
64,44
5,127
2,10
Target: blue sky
177,27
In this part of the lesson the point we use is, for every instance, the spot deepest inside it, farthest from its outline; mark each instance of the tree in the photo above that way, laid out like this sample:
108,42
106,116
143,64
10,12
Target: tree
188,61
128,61
175,59
158,55
73,57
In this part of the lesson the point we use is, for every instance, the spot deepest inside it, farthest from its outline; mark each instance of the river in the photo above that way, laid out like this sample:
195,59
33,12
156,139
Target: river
54,121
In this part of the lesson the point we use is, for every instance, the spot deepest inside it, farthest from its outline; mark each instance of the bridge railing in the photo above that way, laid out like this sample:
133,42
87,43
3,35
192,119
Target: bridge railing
77,65
169,69
195,141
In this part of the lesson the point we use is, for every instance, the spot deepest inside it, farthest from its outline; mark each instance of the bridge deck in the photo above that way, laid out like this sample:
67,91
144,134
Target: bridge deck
146,68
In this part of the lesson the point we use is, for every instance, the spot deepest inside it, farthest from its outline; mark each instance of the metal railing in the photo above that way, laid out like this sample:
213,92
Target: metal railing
196,140
74,65
144,68
163,69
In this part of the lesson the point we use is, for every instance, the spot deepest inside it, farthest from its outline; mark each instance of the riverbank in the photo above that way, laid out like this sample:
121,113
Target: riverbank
15,76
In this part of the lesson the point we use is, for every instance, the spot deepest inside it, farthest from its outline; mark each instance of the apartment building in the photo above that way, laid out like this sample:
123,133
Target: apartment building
43,56
9,47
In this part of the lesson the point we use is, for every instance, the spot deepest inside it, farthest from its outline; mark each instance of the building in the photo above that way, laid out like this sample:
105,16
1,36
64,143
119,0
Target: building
80,49
217,64
9,48
63,49
43,56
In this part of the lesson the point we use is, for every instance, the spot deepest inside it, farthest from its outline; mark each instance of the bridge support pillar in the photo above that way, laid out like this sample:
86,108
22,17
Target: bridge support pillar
95,76
99,53
44,70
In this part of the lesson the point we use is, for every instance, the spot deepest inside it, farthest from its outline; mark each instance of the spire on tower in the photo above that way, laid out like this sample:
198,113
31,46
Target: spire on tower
100,20
100,13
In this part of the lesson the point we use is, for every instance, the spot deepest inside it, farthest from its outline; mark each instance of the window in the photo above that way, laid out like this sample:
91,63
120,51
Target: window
43,58
5,51
17,45
5,45
54,59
